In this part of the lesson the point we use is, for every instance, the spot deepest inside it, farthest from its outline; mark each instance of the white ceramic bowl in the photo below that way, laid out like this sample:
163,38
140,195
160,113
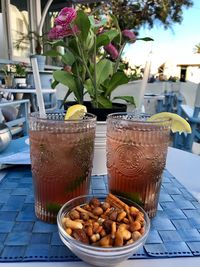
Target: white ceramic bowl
99,256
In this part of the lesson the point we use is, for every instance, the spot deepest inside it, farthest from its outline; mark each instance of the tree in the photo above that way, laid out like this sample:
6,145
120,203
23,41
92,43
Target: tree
197,48
135,13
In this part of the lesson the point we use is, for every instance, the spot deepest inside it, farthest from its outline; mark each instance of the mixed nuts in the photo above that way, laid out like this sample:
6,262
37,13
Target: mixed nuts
106,224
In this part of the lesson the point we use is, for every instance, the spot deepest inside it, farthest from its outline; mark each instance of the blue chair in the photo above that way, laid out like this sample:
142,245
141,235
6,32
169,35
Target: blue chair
182,141
18,123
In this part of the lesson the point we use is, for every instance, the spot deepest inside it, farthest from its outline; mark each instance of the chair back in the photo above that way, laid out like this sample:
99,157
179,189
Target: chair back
197,102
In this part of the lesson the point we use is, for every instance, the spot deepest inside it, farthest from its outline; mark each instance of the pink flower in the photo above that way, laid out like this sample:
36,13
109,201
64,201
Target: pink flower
111,50
66,16
59,32
129,35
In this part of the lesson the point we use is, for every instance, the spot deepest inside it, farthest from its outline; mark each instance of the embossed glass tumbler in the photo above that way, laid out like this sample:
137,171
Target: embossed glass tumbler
61,160
136,157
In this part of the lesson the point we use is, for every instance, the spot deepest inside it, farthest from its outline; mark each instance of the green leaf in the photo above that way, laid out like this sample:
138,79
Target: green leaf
127,98
89,87
104,69
146,39
66,79
104,102
54,84
117,79
115,21
52,53
68,58
83,23
57,43
94,22
106,37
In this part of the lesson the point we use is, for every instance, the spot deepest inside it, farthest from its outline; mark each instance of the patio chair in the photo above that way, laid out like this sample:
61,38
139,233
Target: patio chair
182,141
15,115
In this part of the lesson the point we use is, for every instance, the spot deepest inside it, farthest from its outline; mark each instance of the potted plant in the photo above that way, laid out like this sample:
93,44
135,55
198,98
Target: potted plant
8,75
91,66
39,41
92,58
20,70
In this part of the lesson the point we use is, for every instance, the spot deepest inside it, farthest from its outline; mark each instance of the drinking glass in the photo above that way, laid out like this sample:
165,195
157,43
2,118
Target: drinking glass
61,160
136,157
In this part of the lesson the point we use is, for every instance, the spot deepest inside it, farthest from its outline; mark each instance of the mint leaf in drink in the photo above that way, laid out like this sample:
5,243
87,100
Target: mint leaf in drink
76,183
134,196
53,207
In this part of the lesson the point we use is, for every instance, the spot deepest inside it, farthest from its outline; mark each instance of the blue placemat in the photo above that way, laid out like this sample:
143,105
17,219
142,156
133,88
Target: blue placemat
175,231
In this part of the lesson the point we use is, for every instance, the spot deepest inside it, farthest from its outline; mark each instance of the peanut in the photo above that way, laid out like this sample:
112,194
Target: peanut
95,237
97,211
74,214
135,226
136,235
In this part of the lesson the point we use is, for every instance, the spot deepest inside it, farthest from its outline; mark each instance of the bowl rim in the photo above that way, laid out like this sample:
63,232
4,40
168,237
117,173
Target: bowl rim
96,248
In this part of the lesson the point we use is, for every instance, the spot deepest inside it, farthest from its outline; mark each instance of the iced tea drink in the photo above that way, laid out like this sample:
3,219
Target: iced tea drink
61,161
136,157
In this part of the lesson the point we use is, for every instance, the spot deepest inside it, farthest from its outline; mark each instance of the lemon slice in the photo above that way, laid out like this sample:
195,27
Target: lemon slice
75,112
178,123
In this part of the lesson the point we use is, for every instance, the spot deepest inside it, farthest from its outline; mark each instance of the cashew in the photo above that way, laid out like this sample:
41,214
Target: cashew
68,231
72,224
118,239
105,241
121,216
120,236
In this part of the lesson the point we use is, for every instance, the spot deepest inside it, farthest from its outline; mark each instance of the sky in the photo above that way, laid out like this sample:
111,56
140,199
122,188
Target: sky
168,45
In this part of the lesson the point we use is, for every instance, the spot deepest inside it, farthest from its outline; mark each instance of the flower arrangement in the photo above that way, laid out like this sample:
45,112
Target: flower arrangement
93,50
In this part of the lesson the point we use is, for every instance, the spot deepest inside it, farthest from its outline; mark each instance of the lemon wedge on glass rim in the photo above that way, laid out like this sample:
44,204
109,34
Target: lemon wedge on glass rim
178,124
76,112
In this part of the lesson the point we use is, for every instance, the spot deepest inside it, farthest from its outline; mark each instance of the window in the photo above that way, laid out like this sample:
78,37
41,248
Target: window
19,28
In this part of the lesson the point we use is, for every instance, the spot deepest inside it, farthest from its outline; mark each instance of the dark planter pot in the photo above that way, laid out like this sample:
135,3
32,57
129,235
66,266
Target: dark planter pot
101,113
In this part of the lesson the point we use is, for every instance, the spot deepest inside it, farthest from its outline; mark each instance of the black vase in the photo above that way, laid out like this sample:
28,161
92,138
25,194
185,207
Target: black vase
101,113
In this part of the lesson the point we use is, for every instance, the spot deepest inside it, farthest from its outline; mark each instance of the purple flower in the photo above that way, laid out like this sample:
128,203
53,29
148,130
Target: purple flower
59,32
66,16
111,50
129,35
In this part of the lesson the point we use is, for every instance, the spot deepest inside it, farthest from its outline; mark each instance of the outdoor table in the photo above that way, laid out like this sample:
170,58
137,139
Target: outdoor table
182,167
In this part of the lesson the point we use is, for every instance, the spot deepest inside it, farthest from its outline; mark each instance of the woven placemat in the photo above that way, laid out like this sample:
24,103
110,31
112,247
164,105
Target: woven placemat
175,231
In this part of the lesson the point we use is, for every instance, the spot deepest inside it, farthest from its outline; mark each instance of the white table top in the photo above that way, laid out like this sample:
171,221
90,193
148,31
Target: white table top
185,167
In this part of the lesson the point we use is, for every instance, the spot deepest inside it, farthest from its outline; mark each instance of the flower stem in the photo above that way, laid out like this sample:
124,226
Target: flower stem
95,73
119,57
80,50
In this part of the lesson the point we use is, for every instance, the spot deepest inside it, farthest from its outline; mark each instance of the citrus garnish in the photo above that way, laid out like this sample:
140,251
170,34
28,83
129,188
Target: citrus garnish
178,124
75,112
